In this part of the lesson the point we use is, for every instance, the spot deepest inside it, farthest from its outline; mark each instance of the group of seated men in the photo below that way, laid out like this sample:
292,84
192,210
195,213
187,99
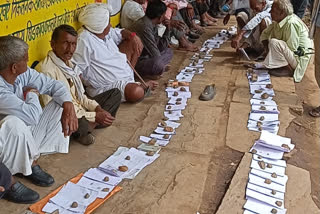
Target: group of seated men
101,61
279,37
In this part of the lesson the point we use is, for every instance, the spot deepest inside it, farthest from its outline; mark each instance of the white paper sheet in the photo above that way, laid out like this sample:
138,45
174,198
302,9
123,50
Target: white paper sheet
272,129
177,89
258,97
267,152
263,102
264,198
281,163
176,113
160,137
184,77
171,124
175,107
160,130
74,193
264,109
185,94
261,182
159,142
174,100
96,186
248,212
279,195
51,207
260,207
279,179
275,141
98,175
263,88
138,160
280,171
267,117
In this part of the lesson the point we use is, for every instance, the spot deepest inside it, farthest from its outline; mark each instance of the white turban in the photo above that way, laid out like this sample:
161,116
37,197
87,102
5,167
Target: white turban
95,17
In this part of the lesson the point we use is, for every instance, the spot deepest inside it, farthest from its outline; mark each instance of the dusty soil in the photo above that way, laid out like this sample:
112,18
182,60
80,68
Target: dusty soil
194,171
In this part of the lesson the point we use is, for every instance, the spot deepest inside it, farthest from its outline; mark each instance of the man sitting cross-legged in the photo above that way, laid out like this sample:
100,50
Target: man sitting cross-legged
27,130
249,36
286,42
156,54
103,66
57,65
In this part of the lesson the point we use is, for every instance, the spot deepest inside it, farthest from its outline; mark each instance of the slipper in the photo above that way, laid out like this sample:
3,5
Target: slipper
315,112
208,93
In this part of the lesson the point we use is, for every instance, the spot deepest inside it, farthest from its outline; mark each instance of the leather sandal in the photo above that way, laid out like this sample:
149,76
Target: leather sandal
208,93
315,112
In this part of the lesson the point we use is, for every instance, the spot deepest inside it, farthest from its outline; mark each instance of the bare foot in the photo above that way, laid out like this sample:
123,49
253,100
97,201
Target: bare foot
167,68
152,84
189,48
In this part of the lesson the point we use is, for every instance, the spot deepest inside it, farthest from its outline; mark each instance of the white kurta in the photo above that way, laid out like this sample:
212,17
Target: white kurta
104,67
26,131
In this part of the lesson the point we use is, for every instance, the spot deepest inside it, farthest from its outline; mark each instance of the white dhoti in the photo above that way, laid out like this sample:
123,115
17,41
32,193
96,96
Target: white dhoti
279,55
20,144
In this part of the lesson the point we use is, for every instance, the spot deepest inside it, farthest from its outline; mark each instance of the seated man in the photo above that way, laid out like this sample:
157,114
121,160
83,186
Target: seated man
132,11
57,65
27,131
156,54
241,9
15,191
103,66
249,35
287,42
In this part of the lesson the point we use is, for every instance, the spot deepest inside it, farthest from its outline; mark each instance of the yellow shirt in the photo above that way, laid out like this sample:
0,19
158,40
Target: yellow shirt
295,33
84,107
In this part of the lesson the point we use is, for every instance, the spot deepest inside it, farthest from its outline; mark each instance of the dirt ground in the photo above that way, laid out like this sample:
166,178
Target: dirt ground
194,171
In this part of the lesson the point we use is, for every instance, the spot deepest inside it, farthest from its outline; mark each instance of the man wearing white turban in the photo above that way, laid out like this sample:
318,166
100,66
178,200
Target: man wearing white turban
98,54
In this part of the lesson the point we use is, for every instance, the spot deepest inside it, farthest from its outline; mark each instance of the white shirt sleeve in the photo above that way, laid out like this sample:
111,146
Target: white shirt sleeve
115,35
29,110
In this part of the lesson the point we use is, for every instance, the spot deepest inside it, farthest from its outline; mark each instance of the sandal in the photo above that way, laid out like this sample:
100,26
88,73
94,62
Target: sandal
315,112
208,93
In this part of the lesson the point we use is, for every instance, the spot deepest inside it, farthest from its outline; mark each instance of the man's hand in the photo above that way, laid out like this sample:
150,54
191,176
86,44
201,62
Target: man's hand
69,119
127,34
174,24
226,19
139,47
103,117
26,90
2,189
235,43
178,24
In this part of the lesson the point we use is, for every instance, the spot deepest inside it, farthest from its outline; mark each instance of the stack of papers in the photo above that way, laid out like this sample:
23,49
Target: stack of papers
267,181
264,113
127,163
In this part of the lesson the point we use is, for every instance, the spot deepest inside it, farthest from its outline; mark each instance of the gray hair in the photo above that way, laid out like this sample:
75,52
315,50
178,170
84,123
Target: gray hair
12,50
285,6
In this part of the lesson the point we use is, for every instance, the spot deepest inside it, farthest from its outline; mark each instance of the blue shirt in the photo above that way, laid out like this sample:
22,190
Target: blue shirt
29,110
